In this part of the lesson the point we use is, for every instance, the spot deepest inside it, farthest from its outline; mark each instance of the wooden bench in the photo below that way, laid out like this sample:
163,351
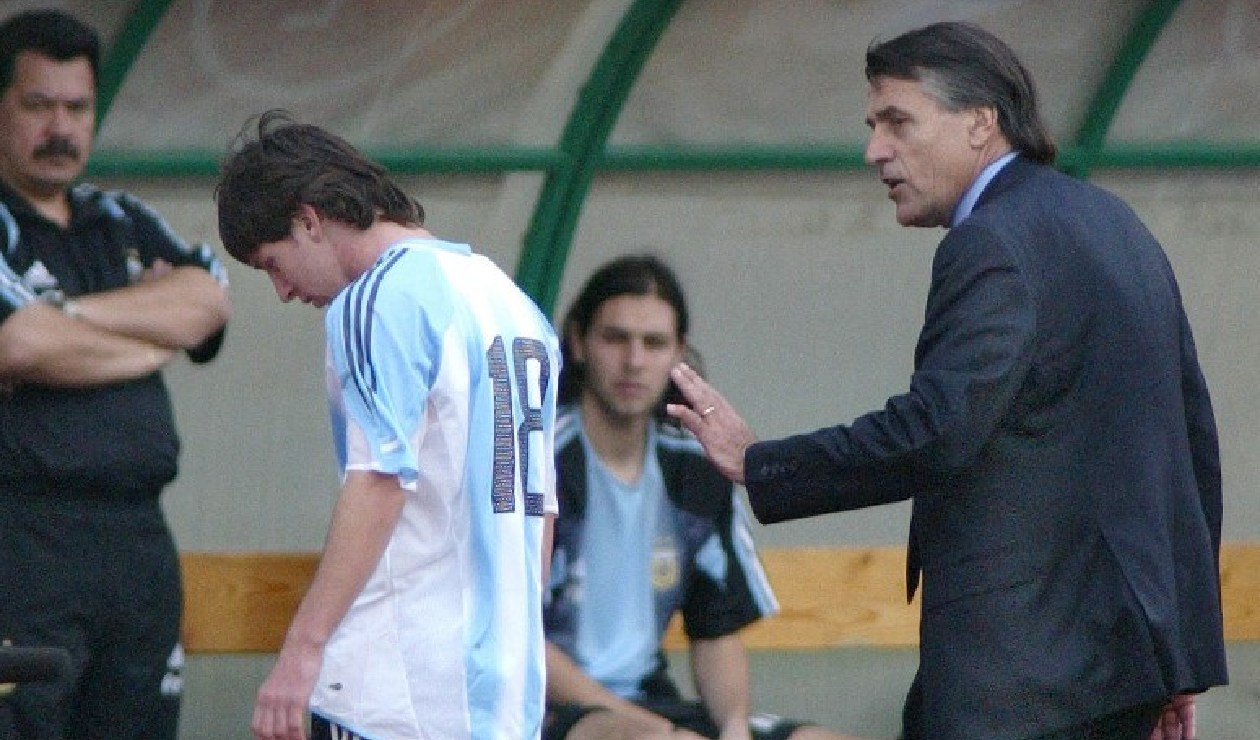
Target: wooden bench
829,597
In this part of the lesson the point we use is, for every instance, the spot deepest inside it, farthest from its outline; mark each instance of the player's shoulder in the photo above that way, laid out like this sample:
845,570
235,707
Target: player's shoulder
402,275
684,463
568,426
434,271
116,204
675,439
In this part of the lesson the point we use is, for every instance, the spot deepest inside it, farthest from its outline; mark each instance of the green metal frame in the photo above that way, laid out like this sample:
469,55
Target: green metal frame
140,23
200,163
582,149
1185,155
1124,67
550,233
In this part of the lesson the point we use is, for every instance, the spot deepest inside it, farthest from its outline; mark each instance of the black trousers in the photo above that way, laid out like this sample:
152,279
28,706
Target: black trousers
101,579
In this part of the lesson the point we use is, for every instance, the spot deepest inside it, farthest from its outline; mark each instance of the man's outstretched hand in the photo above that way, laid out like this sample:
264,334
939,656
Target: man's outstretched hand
715,422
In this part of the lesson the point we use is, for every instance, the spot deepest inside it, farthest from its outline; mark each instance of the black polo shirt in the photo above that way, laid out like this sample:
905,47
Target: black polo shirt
117,440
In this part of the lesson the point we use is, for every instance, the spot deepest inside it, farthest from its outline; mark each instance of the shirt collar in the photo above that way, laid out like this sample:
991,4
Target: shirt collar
86,204
968,202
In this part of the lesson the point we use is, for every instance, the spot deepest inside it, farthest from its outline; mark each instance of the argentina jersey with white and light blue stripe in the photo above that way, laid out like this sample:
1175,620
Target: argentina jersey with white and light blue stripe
443,373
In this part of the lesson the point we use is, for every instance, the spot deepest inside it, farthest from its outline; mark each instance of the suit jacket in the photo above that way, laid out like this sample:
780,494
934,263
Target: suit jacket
1059,445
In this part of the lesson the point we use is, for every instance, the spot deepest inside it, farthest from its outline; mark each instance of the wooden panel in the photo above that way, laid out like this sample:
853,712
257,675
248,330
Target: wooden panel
242,602
829,597
1240,590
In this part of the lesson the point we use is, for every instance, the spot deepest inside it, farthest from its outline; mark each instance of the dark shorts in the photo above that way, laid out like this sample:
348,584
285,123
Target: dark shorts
323,729
690,715
102,580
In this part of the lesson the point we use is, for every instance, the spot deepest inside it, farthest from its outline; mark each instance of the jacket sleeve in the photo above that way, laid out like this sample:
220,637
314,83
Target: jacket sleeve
973,355
1201,431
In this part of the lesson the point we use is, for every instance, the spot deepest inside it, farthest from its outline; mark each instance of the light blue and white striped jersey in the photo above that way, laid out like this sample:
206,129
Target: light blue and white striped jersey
442,372
628,558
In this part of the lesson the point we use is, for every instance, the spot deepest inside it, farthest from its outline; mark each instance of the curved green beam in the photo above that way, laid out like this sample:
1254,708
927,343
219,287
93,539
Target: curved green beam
205,163
115,65
550,232
1106,102
1180,155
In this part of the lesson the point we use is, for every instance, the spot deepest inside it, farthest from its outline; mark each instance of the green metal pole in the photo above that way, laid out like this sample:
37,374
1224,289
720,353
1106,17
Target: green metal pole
117,61
550,233
1106,102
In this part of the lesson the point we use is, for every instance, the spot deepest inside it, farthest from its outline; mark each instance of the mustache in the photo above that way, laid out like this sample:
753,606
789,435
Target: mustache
58,146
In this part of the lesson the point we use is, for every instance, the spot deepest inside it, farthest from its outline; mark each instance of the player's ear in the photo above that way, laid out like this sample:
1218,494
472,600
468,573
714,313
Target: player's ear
307,222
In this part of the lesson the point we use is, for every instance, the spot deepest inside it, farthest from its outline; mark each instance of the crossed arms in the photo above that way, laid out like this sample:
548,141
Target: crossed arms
115,335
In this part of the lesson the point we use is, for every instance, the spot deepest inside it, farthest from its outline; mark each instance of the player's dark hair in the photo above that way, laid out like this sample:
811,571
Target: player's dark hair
963,66
634,274
279,165
52,33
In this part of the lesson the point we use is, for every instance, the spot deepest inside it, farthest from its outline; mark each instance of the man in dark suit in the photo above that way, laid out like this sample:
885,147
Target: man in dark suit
1057,438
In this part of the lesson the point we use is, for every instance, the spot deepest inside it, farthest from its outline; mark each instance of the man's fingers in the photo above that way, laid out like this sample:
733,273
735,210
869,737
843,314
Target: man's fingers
701,396
688,381
685,416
